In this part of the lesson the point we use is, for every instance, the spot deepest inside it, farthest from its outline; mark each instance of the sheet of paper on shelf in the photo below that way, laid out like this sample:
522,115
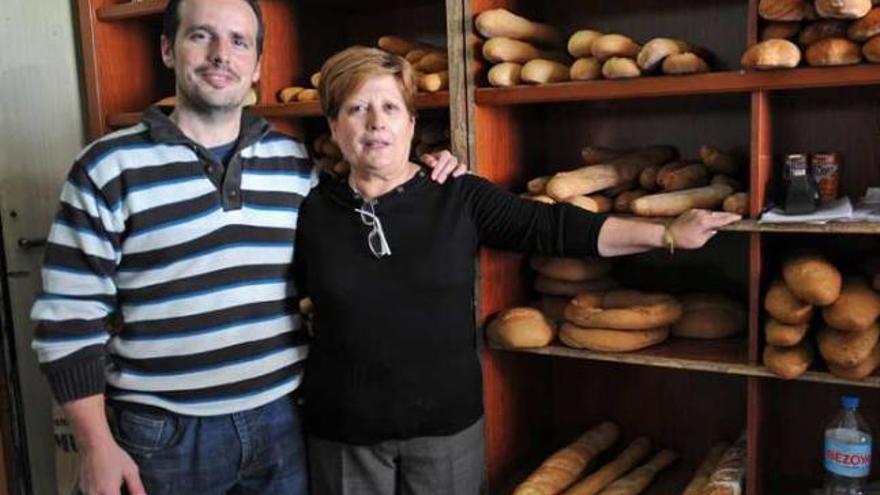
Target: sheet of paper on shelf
868,209
839,210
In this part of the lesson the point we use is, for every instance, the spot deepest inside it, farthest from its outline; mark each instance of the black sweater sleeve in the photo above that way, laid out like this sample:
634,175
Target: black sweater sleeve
506,221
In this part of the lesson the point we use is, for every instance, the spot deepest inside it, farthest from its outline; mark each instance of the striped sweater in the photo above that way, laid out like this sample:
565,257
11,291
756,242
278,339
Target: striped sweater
167,281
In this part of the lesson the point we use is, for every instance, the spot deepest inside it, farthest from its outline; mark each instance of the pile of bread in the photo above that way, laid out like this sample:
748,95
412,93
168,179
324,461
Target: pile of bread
823,33
293,94
525,51
563,472
847,334
580,299
651,182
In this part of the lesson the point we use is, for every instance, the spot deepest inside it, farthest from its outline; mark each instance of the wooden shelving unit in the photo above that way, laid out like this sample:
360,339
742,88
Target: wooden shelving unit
683,394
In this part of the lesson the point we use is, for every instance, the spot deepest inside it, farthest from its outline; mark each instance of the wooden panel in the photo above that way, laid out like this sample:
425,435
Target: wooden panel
281,65
130,10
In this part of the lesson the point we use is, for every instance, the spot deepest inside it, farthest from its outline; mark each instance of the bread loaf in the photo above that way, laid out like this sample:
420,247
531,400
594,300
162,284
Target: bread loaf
788,362
832,52
863,369
608,340
709,316
642,476
580,44
855,310
542,71
553,287
432,62
780,30
308,95
510,50
784,306
505,74
705,469
620,68
585,69
571,269
648,178
866,27
843,9
819,30
397,45
846,349
684,63
813,279
288,94
521,327
782,10
595,203
621,170
592,484
623,201
672,204
653,52
730,472
871,49
719,162
727,180
676,176
434,82
624,310
614,45
772,54
737,203
501,22
784,335
563,467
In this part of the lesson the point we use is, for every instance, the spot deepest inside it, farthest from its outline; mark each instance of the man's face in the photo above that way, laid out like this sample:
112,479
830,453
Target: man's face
214,55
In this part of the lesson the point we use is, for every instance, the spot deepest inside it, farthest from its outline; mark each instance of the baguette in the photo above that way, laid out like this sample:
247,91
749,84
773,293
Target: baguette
396,45
737,203
672,204
586,69
502,22
592,155
648,178
676,176
642,476
617,171
288,94
505,74
727,180
719,162
705,469
623,201
413,56
592,484
580,44
537,185
614,45
542,71
563,467
729,473
653,53
595,203
308,94
432,83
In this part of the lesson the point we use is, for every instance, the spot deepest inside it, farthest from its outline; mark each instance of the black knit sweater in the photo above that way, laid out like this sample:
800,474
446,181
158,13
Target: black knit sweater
393,354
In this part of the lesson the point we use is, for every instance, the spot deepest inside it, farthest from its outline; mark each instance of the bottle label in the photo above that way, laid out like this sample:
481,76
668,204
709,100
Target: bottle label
852,460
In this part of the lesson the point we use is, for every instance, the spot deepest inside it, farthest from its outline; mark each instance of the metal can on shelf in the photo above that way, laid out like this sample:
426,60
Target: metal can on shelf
795,165
826,173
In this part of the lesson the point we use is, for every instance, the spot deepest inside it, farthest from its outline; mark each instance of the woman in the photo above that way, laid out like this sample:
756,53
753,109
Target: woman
393,398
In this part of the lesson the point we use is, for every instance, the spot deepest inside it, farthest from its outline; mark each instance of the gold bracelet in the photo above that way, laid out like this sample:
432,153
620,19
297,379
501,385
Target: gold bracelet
669,239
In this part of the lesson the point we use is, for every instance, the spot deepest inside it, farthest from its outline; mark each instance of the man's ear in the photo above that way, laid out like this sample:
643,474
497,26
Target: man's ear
256,76
167,48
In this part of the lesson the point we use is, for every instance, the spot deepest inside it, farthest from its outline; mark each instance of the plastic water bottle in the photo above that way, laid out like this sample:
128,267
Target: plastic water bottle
847,451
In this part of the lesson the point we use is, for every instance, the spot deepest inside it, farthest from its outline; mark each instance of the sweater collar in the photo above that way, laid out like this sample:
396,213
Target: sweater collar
164,130
338,189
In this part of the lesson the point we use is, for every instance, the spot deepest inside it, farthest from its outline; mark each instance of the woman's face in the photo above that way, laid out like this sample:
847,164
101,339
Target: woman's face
374,129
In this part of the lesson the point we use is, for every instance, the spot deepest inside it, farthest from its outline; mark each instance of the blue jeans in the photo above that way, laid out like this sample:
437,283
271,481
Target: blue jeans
259,451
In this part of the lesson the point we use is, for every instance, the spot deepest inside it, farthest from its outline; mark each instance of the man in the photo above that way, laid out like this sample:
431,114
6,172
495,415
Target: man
177,234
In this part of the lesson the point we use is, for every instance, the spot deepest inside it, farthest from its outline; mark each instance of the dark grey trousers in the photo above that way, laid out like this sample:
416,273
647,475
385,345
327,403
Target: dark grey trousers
447,465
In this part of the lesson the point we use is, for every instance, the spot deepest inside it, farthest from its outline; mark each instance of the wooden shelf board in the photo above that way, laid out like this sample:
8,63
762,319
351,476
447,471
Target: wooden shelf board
131,10
289,110
805,228
658,86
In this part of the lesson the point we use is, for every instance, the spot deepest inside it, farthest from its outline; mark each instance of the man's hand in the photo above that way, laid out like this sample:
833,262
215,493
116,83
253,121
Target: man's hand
104,468
443,164
692,229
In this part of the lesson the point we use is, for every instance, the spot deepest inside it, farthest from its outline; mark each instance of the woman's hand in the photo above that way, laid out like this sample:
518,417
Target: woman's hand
443,164
692,229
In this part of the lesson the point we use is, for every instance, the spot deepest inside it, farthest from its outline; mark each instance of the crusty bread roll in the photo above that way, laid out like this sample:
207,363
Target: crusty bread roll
864,369
620,68
813,279
580,44
684,63
819,30
847,349
595,203
843,9
436,81
784,335
866,27
542,71
784,306
521,327
571,269
871,49
585,69
553,287
623,309
782,10
737,203
780,30
607,340
709,316
509,50
614,45
833,51
772,54
855,310
505,74
789,362
653,52
623,201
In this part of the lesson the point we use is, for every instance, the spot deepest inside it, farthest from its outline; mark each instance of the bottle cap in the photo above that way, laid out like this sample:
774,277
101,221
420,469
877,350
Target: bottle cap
849,401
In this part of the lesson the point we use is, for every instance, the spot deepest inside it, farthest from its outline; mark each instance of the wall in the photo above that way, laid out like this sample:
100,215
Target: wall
40,132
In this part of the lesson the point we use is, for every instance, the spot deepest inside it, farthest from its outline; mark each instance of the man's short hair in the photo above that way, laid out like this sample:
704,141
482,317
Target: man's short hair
171,22
345,72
